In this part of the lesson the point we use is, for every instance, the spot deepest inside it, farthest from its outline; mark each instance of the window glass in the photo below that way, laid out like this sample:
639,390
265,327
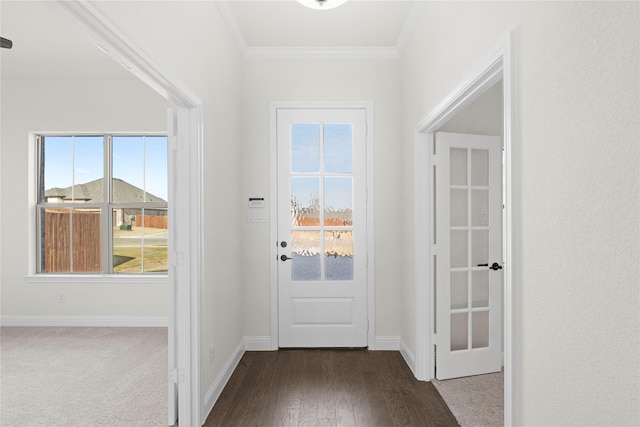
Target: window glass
73,178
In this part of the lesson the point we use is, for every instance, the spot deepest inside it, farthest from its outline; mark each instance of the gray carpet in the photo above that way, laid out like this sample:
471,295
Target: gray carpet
83,376
475,401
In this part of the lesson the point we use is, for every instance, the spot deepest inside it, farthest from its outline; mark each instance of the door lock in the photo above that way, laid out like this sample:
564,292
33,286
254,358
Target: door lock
283,244
284,258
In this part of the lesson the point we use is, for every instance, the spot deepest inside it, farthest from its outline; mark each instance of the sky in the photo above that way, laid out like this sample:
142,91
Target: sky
140,161
334,156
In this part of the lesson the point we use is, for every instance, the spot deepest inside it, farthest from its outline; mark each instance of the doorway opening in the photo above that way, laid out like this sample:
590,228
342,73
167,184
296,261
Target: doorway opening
495,71
185,131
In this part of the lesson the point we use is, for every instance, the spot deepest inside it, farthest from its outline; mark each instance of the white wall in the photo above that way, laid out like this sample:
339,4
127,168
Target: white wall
576,192
66,106
192,42
311,80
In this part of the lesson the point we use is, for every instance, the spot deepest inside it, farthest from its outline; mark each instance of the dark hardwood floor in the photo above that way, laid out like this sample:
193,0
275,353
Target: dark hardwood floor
326,387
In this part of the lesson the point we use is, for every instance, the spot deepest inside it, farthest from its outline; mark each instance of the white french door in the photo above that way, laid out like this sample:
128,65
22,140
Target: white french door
322,270
469,255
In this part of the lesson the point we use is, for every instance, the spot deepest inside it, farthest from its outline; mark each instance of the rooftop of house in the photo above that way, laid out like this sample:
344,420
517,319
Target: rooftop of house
93,190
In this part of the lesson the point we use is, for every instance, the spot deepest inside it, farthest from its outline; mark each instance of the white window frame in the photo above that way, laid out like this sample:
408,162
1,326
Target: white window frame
107,274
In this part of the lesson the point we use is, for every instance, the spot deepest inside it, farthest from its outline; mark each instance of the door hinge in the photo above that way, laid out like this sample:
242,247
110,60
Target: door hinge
176,375
176,259
434,160
434,250
173,143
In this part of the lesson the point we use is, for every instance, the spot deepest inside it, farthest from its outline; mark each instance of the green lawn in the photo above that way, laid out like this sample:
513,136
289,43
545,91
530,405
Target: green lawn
128,260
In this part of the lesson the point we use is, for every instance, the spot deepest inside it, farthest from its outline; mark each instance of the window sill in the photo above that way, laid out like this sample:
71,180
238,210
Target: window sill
118,279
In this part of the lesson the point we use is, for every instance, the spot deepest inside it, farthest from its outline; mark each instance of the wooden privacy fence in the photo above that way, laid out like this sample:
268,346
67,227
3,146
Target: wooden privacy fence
153,221
59,252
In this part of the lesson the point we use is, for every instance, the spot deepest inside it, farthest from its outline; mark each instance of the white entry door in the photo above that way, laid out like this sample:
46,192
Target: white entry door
322,274
469,255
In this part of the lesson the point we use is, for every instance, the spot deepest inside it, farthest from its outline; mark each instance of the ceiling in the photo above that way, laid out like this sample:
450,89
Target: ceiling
49,44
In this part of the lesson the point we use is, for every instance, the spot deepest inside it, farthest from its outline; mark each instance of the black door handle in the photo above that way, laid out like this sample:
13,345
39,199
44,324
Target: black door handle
284,258
494,266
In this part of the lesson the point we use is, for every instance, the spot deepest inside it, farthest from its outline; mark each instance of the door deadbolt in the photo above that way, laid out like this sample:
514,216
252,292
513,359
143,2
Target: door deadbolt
283,244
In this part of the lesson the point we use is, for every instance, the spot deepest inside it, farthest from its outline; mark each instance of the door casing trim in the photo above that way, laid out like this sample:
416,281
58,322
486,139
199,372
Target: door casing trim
497,66
274,106
185,197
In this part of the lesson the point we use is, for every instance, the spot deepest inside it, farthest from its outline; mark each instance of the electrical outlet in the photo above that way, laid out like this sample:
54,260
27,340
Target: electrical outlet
61,298
212,353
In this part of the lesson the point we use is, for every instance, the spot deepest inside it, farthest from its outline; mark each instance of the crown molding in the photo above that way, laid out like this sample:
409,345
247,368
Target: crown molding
318,52
410,23
230,20
312,52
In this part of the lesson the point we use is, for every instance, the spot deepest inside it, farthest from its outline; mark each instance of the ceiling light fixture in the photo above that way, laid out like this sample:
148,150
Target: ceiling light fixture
321,4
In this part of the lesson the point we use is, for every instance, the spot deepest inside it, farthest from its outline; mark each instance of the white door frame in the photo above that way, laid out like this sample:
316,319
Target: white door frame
273,158
185,198
497,66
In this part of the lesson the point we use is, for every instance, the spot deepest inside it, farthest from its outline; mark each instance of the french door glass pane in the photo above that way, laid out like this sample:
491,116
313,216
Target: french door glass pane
305,255
480,167
338,251
459,211
480,329
480,288
458,170
305,202
479,208
459,290
305,147
459,331
479,247
338,201
338,152
459,248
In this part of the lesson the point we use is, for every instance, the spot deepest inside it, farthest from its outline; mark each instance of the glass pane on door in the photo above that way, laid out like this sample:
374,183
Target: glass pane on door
321,184
337,148
469,247
305,255
459,331
305,202
338,250
305,147
338,201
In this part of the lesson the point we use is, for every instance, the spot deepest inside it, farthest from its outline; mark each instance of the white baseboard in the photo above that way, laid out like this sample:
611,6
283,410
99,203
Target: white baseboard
259,344
86,321
390,343
216,388
409,356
